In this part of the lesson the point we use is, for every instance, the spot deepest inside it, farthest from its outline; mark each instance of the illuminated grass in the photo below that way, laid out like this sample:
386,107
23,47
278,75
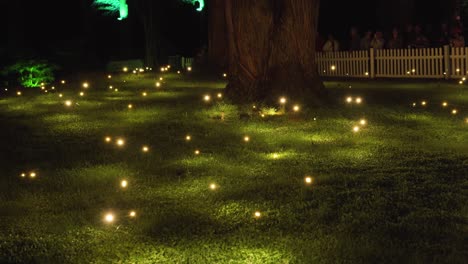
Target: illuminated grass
392,191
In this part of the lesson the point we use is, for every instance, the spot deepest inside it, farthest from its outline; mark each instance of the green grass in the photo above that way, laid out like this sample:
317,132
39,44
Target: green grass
396,192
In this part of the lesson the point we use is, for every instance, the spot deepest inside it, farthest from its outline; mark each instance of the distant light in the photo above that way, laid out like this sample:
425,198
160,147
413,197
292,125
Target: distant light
207,98
358,100
423,103
197,152
464,79
178,72
296,108
257,214
130,106
460,82
356,129
413,70
220,95
18,93
120,142
134,71
188,138
32,174
53,88
275,155
125,69
213,186
162,69
111,87
367,74
189,69
81,94
349,100
116,90
414,104
308,180
363,122
144,94
108,139
141,70
132,214
454,111
85,85
224,75
145,149
444,104
62,81
123,184
23,174
246,138
158,84
282,100
109,218
333,67
109,76
68,103
458,70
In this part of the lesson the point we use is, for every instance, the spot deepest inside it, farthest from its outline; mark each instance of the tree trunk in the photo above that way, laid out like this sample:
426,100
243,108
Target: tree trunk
217,42
271,50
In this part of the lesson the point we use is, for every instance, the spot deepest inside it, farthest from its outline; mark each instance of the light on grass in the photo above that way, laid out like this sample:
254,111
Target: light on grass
178,72
188,138
444,104
197,152
356,129
109,218
120,142
125,69
32,174
68,103
60,95
275,156
85,85
189,69
18,93
220,95
358,100
454,111
145,149
308,180
257,214
349,99
158,84
363,122
246,138
296,108
213,186
144,94
130,106
132,214
81,94
206,98
124,184
108,139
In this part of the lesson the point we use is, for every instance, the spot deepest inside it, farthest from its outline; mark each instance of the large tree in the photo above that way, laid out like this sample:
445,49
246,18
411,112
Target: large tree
270,49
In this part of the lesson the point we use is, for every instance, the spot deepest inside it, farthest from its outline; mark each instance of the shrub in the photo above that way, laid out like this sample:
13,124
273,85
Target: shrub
32,73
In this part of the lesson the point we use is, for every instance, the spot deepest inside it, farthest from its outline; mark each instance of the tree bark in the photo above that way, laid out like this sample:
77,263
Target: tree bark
271,50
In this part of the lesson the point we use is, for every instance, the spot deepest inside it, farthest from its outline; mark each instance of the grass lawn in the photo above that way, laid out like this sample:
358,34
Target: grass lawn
396,191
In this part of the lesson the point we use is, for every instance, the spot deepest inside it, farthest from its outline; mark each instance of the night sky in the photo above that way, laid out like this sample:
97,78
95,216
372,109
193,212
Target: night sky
91,39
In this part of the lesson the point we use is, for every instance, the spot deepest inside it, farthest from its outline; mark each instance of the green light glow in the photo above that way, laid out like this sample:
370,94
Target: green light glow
32,73
113,6
201,4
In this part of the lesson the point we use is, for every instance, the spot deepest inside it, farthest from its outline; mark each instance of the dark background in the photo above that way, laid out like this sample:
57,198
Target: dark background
75,35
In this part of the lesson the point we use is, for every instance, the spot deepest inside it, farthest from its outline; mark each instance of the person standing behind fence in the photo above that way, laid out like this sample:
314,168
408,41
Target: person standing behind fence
409,35
443,36
355,40
396,41
366,41
378,41
331,44
420,40
457,41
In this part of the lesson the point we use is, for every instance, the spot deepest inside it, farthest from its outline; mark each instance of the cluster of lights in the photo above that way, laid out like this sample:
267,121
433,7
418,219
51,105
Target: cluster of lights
118,141
31,174
362,123
110,217
444,104
350,100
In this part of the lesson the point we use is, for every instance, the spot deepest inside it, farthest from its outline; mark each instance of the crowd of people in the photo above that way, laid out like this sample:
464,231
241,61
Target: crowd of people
411,37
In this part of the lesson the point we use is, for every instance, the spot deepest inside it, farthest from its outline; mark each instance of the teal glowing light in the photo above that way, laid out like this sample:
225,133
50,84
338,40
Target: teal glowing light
201,4
112,7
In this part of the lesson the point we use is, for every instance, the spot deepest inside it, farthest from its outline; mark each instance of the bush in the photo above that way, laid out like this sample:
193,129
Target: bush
32,73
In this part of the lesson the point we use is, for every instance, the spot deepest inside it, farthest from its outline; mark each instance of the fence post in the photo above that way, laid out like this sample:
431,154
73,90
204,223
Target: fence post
372,63
447,61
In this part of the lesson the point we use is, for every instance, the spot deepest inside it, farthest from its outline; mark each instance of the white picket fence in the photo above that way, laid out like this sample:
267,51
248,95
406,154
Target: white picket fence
444,62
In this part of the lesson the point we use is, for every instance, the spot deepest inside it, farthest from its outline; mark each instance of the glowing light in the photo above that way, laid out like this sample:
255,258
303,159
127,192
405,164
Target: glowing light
111,87
356,129
109,76
124,183
257,214
224,75
53,88
85,85
213,186
358,100
189,69
68,103
275,155
116,90
414,104
207,98
132,214
423,103
296,108
282,100
108,139
18,93
23,174
188,138
444,104
144,94
141,70
333,67
363,122
464,79
246,138
178,72
349,100
125,69
145,149
197,152
413,70
62,81
460,82
458,70
201,4
32,174
130,106
113,7
220,95
454,111
308,180
120,142
161,78
134,72
109,218
367,74
158,84
81,94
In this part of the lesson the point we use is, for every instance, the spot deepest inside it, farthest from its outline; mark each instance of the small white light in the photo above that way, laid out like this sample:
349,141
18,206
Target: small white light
62,81
132,214
213,186
257,214
224,75
333,67
220,95
125,69
189,69
356,129
109,76
207,98
109,218
454,111
130,106
108,139
188,138
32,174
85,85
349,100
68,103
282,100
296,108
358,100
363,122
246,138
81,94
144,94
145,149
308,180
123,184
120,142
18,93
197,152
